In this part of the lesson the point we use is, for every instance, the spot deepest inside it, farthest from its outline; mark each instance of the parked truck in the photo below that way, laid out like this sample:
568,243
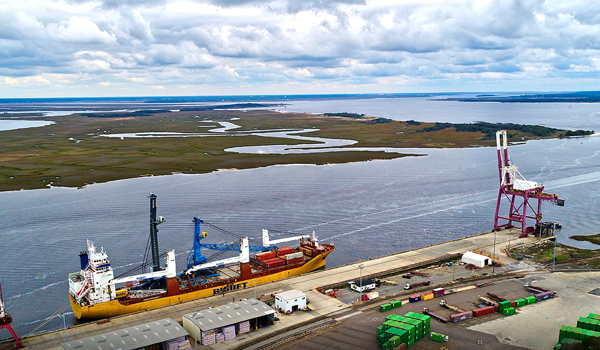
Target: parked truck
415,285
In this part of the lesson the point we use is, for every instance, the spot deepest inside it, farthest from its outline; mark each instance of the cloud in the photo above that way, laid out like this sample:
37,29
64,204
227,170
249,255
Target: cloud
142,44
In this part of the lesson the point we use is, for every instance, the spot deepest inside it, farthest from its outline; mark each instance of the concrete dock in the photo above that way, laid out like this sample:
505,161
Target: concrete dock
322,305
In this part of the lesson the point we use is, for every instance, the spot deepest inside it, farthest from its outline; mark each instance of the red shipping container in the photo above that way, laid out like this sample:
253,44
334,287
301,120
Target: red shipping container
273,262
264,256
285,251
438,292
513,304
483,311
294,261
364,297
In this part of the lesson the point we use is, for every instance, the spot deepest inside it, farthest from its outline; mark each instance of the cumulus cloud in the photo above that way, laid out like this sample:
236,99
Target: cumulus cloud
398,45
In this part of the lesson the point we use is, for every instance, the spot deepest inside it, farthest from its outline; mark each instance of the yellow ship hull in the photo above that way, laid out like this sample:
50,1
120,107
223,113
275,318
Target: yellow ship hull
114,307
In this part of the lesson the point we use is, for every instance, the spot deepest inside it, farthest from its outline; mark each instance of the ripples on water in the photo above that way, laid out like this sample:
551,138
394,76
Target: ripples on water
367,209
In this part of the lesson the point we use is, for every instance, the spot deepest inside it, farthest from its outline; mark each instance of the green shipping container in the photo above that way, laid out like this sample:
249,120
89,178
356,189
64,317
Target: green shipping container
508,311
437,337
390,317
594,324
531,300
396,304
562,334
504,304
520,302
594,316
385,307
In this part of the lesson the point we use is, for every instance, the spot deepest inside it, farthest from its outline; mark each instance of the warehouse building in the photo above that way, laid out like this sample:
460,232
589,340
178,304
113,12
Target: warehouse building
476,259
290,301
226,322
157,335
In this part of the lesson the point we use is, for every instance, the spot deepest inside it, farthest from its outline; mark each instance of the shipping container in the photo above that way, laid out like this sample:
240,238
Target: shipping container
531,300
373,295
273,262
504,304
294,261
594,316
483,311
544,295
267,255
438,292
508,311
293,256
385,307
426,296
520,302
396,304
414,298
437,337
461,316
284,251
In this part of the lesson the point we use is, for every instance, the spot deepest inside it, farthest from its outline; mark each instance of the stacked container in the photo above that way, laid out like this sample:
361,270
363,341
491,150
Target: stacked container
520,302
284,251
588,323
408,329
425,318
272,262
267,255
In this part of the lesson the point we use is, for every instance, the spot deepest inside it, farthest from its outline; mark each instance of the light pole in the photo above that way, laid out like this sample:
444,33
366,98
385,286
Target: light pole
64,315
360,267
554,258
195,327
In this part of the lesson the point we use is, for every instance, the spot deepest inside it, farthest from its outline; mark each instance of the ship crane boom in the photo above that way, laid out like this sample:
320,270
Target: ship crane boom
268,242
244,257
170,271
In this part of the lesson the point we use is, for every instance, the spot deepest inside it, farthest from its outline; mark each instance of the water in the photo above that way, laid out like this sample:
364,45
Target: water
6,124
367,209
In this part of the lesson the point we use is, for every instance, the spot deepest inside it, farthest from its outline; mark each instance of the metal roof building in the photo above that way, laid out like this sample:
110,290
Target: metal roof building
131,338
226,315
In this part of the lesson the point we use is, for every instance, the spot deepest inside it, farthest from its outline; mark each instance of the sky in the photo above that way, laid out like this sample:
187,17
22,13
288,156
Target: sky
86,48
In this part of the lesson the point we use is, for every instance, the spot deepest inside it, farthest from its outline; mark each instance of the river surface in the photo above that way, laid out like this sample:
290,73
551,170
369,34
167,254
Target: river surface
367,209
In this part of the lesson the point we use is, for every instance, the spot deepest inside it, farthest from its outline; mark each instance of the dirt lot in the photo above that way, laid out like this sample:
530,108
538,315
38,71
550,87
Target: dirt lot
358,331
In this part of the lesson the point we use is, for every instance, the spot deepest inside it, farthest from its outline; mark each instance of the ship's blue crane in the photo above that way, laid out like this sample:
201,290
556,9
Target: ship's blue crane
195,257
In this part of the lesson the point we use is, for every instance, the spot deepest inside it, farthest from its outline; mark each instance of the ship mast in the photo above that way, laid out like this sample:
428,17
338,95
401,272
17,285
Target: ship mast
154,222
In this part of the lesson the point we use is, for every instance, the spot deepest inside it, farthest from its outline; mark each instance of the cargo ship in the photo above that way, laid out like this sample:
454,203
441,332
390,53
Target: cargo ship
95,293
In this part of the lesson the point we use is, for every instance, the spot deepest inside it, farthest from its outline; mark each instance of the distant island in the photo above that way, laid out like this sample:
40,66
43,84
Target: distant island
565,97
